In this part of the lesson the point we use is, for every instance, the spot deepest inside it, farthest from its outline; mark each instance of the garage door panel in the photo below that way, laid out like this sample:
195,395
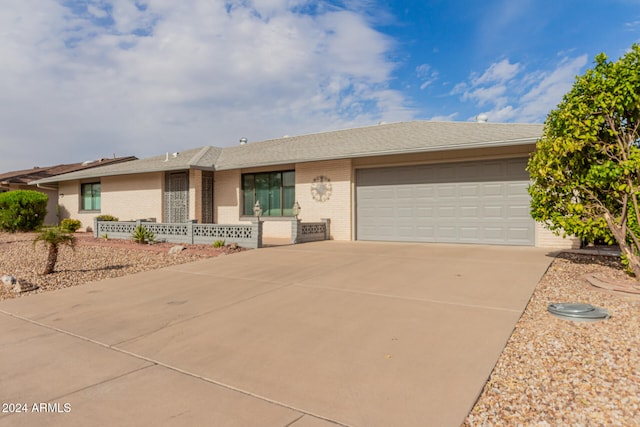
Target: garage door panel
517,189
424,191
476,202
469,211
447,233
470,190
493,212
446,212
518,212
446,190
492,190
470,233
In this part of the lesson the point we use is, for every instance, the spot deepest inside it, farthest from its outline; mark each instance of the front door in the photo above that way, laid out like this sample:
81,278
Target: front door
176,197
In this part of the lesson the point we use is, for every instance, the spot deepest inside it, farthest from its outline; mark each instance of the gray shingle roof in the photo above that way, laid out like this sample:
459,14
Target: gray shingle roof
198,158
395,138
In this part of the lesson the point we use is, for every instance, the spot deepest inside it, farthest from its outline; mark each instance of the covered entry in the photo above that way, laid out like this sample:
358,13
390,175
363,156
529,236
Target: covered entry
464,202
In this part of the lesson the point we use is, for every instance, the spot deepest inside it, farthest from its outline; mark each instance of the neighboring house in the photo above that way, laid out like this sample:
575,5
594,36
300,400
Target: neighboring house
22,180
417,181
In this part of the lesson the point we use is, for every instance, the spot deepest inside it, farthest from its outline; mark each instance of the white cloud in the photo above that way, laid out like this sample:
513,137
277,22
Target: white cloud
550,88
448,118
512,95
483,95
170,75
427,75
498,72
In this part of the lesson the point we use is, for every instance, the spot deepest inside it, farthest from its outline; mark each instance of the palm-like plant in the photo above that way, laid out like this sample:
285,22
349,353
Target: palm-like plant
54,237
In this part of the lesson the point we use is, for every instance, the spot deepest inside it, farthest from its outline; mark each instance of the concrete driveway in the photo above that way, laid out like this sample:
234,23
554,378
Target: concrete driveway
318,334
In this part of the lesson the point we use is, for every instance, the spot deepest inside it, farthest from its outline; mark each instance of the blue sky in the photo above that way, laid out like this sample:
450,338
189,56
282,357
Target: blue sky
84,79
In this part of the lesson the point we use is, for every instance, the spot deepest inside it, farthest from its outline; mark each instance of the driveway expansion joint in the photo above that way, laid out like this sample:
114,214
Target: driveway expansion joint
395,297
154,362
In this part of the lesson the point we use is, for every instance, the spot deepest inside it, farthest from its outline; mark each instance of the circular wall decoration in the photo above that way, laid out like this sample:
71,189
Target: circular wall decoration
321,188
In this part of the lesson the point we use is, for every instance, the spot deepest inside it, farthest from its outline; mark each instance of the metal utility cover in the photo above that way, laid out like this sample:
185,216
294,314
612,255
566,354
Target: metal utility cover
578,312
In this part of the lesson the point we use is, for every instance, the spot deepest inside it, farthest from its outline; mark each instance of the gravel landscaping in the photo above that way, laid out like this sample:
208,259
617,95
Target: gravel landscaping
552,372
92,260
556,372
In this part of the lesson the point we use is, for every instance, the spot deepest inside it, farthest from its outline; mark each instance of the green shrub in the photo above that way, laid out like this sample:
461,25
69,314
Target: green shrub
70,225
22,210
218,243
142,235
107,217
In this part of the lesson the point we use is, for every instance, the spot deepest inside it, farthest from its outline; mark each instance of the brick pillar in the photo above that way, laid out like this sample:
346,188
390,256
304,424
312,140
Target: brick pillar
327,228
296,231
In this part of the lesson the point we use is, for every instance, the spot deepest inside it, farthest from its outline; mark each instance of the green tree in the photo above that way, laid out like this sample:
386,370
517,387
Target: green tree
586,169
53,238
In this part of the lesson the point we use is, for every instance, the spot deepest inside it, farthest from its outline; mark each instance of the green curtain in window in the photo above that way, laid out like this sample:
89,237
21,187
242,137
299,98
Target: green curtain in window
91,194
274,190
96,193
288,193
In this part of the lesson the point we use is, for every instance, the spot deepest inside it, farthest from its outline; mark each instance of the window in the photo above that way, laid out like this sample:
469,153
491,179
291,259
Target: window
90,197
276,192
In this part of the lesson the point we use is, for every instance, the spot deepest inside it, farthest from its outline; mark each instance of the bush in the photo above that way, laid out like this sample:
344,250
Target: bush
218,243
22,210
69,225
142,235
107,217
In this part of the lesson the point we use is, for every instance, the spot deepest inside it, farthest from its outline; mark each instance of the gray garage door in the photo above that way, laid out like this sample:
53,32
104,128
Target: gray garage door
466,202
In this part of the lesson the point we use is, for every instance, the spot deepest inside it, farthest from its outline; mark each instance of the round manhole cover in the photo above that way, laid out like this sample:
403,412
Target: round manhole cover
578,312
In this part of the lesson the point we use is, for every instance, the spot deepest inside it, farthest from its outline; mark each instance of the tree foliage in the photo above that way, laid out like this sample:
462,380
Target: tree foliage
22,210
586,169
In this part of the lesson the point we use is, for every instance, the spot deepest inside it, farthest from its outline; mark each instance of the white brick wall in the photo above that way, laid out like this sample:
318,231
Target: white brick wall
133,196
226,197
195,194
338,206
127,197
547,239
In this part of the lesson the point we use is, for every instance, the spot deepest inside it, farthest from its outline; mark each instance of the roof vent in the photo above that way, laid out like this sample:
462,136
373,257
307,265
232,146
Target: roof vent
88,162
578,312
243,141
482,118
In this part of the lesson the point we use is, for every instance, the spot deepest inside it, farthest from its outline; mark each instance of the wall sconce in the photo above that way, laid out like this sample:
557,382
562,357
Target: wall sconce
61,195
296,209
257,209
